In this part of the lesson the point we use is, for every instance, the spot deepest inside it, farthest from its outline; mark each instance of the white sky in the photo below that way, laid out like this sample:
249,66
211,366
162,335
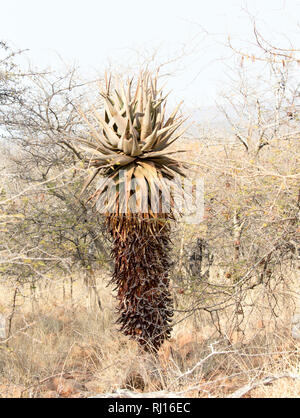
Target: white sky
95,33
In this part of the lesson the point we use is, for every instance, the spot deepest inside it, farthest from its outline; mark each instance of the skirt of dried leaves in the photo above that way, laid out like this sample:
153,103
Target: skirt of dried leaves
141,245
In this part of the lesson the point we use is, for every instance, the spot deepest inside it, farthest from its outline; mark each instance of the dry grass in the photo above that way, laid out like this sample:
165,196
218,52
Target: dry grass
63,347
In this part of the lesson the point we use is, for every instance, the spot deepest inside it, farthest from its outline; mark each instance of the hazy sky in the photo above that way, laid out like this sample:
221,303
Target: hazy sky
94,33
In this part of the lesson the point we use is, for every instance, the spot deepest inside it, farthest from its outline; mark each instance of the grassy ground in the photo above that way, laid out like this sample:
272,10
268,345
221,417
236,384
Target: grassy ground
63,346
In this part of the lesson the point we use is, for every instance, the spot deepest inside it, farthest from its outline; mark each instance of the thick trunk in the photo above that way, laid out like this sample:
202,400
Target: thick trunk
140,249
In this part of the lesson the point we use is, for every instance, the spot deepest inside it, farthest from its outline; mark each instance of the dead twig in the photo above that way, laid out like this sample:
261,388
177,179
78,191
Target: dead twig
265,381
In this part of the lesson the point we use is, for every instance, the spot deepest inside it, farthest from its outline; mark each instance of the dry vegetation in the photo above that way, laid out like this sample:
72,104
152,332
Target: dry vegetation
63,347
232,337
234,278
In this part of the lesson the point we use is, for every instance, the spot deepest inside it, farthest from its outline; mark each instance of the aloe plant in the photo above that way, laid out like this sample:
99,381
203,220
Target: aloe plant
131,142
